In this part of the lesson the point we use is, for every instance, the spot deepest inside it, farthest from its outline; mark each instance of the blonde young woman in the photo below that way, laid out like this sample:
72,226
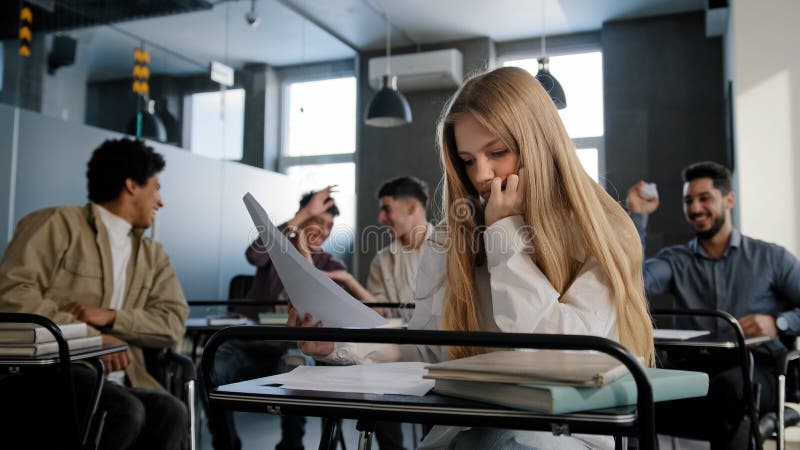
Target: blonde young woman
530,244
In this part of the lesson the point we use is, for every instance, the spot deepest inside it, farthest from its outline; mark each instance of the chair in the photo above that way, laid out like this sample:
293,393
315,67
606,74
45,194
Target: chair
786,368
178,376
787,372
240,286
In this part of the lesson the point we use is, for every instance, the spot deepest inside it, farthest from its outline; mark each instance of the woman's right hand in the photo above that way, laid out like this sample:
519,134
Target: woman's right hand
310,348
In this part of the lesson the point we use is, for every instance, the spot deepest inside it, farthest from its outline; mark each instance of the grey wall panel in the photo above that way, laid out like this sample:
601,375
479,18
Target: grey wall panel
274,191
202,225
189,224
6,141
664,109
385,153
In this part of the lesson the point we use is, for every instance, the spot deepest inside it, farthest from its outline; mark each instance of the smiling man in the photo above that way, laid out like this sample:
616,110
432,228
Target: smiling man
93,264
755,281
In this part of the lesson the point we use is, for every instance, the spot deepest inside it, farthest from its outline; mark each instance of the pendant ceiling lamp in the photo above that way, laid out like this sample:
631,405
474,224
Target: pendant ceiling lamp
548,81
388,107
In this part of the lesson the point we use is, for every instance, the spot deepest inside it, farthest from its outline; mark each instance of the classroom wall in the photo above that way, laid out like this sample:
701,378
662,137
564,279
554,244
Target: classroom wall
664,109
765,72
203,226
385,153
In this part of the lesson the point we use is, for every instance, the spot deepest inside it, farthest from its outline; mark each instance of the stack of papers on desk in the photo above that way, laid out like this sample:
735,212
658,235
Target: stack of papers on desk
403,378
681,335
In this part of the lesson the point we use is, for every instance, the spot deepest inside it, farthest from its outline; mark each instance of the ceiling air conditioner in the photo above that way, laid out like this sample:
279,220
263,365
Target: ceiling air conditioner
440,69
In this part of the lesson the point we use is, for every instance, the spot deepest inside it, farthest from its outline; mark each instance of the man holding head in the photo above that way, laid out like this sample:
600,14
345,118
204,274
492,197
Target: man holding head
93,264
238,360
755,281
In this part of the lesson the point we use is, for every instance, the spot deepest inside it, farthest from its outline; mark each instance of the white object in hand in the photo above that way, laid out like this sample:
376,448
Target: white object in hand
648,191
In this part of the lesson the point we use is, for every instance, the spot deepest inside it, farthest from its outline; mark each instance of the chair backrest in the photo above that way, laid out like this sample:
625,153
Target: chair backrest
171,369
240,286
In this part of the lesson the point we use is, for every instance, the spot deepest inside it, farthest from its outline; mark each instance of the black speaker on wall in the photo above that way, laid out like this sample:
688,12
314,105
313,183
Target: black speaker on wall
62,53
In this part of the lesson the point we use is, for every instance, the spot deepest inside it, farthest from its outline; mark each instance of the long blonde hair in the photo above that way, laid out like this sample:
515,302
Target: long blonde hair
567,210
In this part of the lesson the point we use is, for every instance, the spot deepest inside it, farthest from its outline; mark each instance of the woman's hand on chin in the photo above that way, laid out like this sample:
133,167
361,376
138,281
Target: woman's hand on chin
506,202
310,348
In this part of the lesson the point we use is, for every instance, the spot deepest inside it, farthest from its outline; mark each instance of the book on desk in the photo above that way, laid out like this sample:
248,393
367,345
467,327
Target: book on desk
562,399
273,318
584,368
29,333
49,347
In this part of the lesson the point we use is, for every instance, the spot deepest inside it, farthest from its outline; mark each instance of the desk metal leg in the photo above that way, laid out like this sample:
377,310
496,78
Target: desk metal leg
190,402
364,440
95,399
781,405
328,439
365,430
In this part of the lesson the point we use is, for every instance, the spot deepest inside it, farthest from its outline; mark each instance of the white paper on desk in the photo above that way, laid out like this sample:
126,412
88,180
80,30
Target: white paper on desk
309,289
665,333
404,378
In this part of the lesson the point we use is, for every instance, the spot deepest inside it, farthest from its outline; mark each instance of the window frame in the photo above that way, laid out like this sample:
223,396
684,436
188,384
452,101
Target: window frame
285,161
562,46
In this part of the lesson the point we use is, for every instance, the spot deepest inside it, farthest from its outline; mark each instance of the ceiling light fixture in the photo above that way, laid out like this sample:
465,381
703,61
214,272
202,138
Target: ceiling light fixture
252,17
548,81
388,107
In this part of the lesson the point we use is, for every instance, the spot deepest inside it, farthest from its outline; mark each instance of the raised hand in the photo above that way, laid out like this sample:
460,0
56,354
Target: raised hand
637,203
506,202
320,202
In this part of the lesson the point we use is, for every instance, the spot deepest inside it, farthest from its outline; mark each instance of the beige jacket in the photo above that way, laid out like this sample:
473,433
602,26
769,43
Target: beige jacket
62,254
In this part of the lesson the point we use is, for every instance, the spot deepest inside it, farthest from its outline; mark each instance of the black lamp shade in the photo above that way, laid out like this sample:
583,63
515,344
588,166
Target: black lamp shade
388,107
550,84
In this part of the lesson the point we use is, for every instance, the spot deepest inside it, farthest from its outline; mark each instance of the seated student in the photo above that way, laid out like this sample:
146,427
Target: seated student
393,271
93,264
238,360
529,244
755,281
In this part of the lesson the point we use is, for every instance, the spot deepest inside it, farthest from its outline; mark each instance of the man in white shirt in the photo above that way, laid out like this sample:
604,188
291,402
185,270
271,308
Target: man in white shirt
393,272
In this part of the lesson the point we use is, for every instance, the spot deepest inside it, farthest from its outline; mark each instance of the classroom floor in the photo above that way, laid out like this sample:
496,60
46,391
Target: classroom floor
262,432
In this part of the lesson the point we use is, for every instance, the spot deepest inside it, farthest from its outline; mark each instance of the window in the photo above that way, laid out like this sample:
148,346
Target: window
581,76
319,144
216,121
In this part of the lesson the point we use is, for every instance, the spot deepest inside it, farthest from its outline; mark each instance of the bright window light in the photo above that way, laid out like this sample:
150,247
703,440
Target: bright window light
581,76
217,128
589,160
321,117
317,176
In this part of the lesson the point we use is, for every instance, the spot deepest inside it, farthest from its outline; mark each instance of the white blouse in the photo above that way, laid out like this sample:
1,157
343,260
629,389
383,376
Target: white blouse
513,295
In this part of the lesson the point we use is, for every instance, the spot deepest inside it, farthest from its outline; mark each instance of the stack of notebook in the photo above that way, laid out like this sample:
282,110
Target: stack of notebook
26,339
556,382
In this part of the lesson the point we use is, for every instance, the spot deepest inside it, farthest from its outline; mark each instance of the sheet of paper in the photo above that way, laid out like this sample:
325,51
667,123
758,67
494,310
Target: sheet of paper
309,289
664,333
404,378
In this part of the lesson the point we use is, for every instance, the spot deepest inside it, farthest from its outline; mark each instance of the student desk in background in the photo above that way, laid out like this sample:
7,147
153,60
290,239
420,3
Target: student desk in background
432,409
734,342
198,329
64,358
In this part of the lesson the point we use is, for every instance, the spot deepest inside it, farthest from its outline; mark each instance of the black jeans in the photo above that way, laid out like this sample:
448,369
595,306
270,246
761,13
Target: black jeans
135,418
239,360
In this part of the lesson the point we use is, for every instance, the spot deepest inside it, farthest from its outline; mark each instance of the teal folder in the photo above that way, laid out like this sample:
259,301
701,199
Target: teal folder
667,385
